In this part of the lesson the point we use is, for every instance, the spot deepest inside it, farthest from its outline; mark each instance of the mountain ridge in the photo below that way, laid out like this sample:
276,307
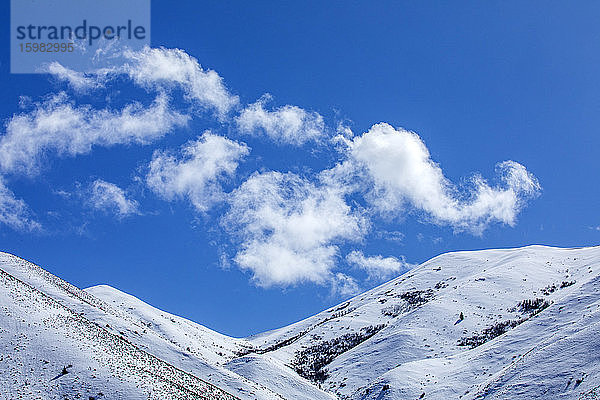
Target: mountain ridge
466,324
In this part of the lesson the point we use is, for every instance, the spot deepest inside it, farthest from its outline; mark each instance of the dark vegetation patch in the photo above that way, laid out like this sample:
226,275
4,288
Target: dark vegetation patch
394,310
532,306
527,308
412,299
337,313
310,363
441,285
417,298
555,286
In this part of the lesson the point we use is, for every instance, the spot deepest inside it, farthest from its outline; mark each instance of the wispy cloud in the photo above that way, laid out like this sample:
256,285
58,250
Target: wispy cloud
78,80
391,236
287,124
197,172
58,126
14,212
107,196
378,267
158,69
163,67
344,285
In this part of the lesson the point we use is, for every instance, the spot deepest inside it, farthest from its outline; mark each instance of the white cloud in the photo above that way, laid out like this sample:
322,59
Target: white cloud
378,267
164,69
290,228
398,164
14,212
344,285
287,124
391,236
157,69
160,66
77,80
58,125
109,197
198,173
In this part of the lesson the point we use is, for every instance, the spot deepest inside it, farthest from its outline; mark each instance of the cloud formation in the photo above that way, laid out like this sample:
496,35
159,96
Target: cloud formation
289,228
158,69
152,67
107,196
58,126
14,212
77,80
344,285
378,267
402,175
198,172
287,124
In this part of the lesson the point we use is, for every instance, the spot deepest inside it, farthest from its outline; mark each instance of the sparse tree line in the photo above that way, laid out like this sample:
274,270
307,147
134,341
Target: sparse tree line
528,308
310,363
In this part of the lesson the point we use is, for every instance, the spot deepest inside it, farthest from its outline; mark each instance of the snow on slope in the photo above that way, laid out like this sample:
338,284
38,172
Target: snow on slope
415,318
530,329
50,351
277,377
196,339
172,341
214,348
47,323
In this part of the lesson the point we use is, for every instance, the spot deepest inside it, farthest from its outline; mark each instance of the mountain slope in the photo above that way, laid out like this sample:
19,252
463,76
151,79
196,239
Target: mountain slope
118,320
415,349
53,350
272,379
48,324
494,324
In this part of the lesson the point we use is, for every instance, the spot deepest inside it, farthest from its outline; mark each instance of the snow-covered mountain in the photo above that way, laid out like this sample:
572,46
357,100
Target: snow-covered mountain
495,324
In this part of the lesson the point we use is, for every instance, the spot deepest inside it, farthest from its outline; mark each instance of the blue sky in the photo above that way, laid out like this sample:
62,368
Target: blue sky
296,200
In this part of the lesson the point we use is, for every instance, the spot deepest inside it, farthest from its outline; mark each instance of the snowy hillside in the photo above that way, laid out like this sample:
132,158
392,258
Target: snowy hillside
494,324
47,324
405,339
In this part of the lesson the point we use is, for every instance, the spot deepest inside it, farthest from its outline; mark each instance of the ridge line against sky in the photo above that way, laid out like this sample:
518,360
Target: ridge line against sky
285,227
